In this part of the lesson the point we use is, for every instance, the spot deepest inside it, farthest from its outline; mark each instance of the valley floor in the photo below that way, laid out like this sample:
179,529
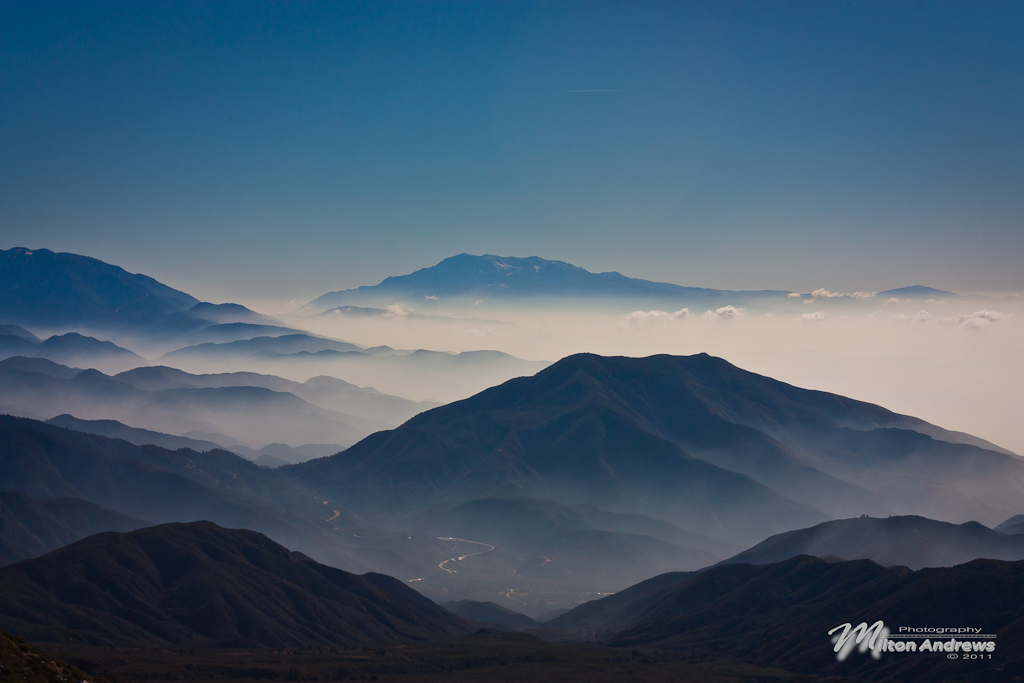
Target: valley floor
485,656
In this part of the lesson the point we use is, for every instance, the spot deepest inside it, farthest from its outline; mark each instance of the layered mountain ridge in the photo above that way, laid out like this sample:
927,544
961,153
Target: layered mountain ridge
245,408
691,440
909,541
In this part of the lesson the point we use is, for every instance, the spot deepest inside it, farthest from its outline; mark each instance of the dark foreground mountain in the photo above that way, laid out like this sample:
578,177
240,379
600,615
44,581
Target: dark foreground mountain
22,662
486,655
29,527
151,483
491,614
585,553
201,585
159,485
909,541
780,614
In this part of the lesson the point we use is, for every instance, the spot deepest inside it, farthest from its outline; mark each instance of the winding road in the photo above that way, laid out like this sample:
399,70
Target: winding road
441,565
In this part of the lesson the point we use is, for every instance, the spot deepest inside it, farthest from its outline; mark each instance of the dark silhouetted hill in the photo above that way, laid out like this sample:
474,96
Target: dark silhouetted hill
202,585
148,482
779,614
22,662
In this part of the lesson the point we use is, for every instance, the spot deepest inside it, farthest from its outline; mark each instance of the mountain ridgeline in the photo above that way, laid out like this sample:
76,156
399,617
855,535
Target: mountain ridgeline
465,278
779,615
908,541
233,408
43,461
29,527
694,441
201,585
593,474
725,520
57,289
80,298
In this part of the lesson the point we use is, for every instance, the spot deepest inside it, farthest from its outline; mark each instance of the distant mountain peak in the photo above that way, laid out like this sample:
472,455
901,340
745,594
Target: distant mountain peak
916,292
46,287
469,278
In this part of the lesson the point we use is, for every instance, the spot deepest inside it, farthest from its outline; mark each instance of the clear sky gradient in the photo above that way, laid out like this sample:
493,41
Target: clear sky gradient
253,151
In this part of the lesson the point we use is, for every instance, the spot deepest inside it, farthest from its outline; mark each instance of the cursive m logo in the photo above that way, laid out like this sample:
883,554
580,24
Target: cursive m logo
867,637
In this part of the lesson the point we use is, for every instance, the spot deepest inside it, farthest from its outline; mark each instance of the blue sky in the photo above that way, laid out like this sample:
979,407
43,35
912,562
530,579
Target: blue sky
268,151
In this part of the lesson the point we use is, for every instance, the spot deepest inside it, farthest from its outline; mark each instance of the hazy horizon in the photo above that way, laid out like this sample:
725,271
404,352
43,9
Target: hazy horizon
954,362
268,153
331,332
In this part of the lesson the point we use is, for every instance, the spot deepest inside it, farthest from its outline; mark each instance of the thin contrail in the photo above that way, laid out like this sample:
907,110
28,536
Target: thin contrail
598,91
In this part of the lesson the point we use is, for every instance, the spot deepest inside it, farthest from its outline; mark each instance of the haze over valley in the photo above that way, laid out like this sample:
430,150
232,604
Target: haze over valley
475,474
532,341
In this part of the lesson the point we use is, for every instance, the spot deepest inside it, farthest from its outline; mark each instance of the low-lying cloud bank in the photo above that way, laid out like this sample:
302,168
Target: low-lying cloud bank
725,313
954,362
976,320
640,317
